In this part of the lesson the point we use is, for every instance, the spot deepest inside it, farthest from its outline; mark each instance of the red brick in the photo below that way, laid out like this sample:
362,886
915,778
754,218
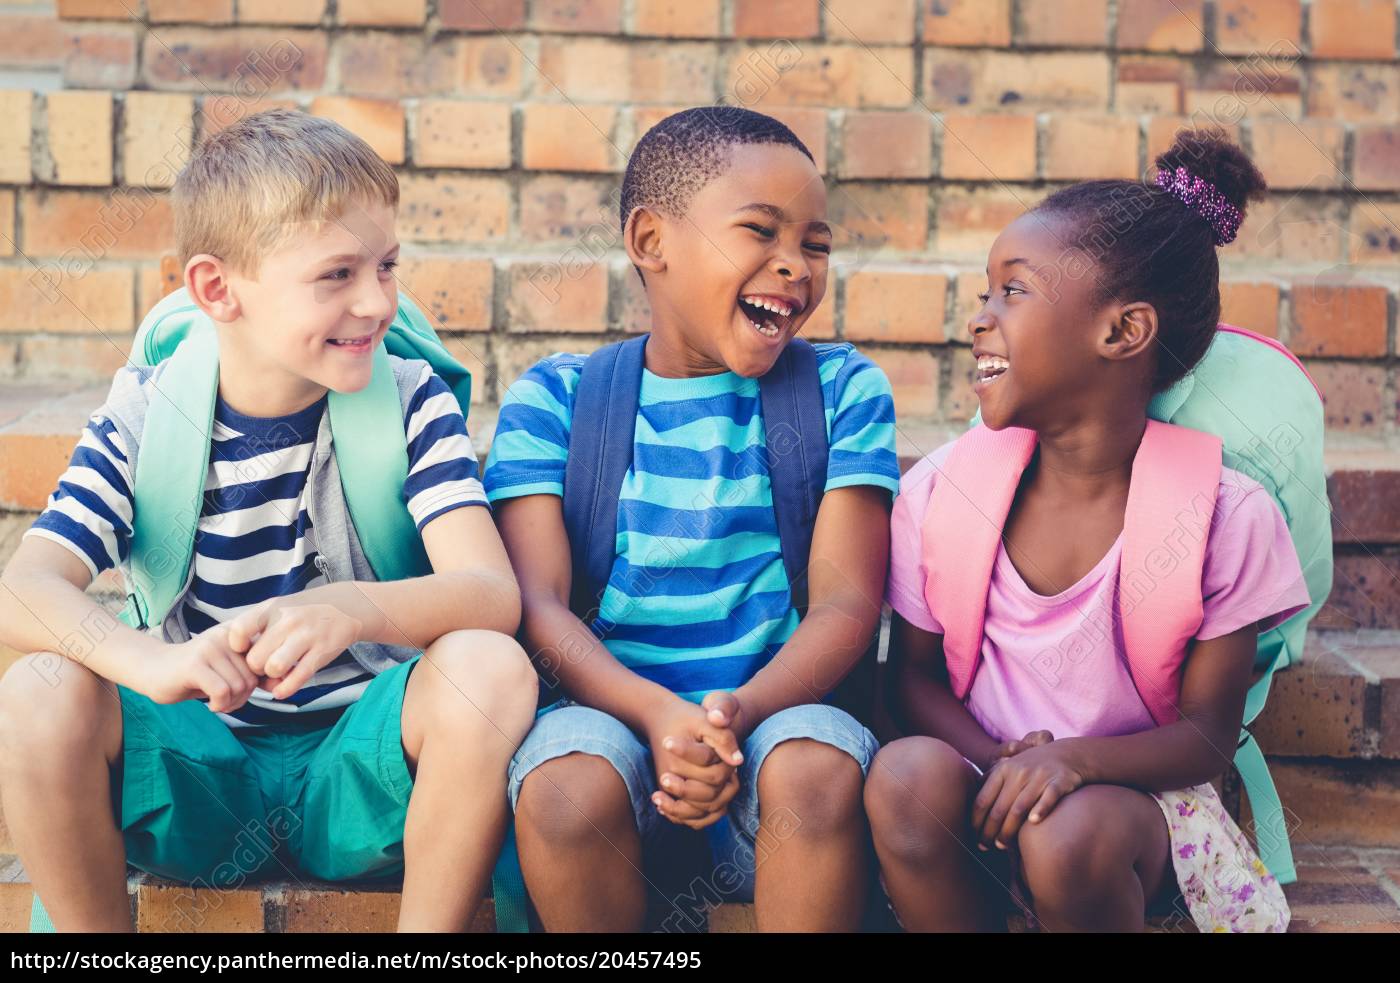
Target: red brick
1252,305
1352,29
1245,26
561,137
1084,148
218,112
1354,394
970,221
630,301
586,69
677,18
1377,158
387,65
482,15
968,22
672,71
80,137
887,145
87,226
41,42
821,323
454,293
1352,803
379,122
1356,93
1058,24
870,21
1161,25
7,223
579,16
960,402
782,73
165,907
241,58
913,376
189,11
1230,91
382,13
1375,232
44,300
1303,229
1304,154
490,67
443,208
809,125
73,358
1154,86
557,297
1338,319
966,304
448,133
893,304
157,133
869,218
1366,587
988,148
100,58
791,19
95,9
16,111
1002,81
580,210
337,911
283,11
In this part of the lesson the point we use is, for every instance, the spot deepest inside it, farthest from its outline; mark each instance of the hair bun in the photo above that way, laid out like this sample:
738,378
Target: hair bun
1212,157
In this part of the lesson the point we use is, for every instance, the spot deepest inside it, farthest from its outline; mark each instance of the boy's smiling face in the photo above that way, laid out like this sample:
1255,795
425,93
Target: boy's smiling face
736,278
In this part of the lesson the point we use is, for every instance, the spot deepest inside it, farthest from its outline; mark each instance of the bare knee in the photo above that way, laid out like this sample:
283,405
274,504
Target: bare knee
820,784
917,798
54,706
475,679
1082,848
570,802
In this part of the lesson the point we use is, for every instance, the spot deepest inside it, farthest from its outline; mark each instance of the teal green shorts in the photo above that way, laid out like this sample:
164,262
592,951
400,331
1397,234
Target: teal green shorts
215,806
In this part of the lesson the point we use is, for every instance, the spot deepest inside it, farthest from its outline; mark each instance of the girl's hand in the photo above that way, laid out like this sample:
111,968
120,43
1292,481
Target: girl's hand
1024,786
289,642
1011,748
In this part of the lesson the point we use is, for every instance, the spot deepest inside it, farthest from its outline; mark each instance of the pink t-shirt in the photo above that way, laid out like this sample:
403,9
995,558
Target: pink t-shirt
1058,663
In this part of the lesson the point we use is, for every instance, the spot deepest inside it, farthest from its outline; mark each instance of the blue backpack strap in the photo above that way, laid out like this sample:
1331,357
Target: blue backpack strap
603,425
794,423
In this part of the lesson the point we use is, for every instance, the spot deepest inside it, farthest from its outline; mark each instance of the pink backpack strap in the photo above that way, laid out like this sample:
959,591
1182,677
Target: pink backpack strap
961,535
1176,475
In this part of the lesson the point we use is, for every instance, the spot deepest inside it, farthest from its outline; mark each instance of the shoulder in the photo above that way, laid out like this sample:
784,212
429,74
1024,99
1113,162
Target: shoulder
1239,499
916,487
550,382
842,360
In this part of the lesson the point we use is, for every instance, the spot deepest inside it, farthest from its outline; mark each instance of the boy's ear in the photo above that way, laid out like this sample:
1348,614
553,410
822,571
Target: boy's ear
1132,331
642,238
207,280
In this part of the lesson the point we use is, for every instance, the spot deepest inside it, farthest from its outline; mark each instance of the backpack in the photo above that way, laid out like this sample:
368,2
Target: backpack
1253,394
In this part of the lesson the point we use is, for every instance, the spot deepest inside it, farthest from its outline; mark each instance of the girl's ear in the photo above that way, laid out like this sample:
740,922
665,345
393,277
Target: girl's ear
207,280
1132,331
642,238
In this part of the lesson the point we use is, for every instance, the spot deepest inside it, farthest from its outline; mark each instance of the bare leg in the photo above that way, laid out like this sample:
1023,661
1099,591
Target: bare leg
1094,863
918,796
467,706
580,850
60,737
812,876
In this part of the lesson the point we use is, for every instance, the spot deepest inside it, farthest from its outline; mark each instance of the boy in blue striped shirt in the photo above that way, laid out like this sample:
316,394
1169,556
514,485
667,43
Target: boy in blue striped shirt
279,721
693,693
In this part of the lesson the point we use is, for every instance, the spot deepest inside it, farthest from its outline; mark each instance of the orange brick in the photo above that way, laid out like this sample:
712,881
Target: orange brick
1153,86
342,911
446,208
1296,228
462,134
44,299
584,69
88,226
1083,23
821,323
870,21
887,145
489,67
1356,93
73,358
1161,25
1083,148
677,18
630,300
988,148
163,907
1353,394
791,19
780,73
569,138
892,304
217,112
960,402
673,71
282,11
16,110
870,218
243,58
482,15
968,22
557,297
382,13
1338,319
1252,87
581,210
157,133
1250,304
1162,131
80,137
189,11
1377,158
642,119
95,9
101,58
970,220
1375,228
966,304
577,16
808,125
969,81
7,223
40,41
455,293
1352,29
1245,26
379,122
1305,154
913,376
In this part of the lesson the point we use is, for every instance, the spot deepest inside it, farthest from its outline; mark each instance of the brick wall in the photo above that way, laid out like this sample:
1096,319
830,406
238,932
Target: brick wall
935,123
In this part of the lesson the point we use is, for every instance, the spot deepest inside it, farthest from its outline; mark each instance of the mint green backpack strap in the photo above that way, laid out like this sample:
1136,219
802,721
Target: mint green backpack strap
39,921
169,484
1270,819
508,888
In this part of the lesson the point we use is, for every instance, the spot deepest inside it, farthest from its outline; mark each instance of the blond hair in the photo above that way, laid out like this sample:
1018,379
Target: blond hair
249,187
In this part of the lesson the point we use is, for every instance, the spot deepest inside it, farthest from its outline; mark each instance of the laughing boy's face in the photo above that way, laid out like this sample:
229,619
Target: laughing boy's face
747,264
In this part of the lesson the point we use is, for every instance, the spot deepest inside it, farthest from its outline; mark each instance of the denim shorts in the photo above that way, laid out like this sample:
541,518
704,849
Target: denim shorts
568,728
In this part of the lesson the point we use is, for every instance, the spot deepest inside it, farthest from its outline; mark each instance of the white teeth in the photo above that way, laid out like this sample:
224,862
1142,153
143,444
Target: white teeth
990,367
768,329
768,305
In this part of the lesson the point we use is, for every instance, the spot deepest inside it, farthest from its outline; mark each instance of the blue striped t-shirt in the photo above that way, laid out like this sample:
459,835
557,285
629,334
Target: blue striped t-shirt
698,599
255,540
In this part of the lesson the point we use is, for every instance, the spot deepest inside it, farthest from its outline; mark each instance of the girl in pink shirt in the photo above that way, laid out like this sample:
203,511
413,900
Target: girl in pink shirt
1051,783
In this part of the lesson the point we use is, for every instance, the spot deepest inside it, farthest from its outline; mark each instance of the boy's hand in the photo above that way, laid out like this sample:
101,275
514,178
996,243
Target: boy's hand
1010,749
288,642
1023,787
208,665
695,765
722,709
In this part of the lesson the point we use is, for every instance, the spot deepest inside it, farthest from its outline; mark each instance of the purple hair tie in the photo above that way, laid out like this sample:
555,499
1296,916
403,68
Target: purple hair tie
1206,200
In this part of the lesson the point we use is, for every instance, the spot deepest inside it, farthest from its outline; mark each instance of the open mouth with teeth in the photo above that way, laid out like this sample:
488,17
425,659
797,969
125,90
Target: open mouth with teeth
770,316
990,368
355,346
